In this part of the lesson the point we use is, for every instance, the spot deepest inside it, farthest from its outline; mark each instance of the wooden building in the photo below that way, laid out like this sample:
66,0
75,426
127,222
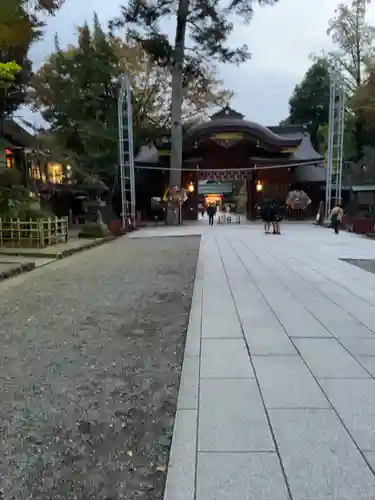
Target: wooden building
229,148
14,143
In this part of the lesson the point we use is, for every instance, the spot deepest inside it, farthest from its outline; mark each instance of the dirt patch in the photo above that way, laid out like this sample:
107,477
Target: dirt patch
90,364
365,264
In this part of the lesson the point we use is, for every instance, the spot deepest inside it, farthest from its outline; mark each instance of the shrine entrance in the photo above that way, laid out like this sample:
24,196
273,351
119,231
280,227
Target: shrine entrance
230,149
260,161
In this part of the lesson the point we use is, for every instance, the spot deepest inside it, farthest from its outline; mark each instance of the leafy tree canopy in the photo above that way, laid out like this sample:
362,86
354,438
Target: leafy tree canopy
21,21
8,72
203,29
76,91
21,24
309,103
354,39
349,138
208,27
364,99
363,103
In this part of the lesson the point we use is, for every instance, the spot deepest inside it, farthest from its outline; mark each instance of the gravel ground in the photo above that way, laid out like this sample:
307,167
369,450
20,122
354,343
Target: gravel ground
90,360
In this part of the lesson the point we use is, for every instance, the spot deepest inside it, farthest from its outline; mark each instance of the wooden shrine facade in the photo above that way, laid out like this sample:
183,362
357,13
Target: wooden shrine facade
230,149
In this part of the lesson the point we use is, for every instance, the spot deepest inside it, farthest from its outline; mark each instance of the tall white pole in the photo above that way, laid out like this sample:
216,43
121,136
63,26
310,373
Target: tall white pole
332,93
340,154
120,105
336,130
131,151
126,155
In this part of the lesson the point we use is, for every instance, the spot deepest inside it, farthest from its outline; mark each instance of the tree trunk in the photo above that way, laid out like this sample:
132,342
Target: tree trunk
177,83
359,139
358,78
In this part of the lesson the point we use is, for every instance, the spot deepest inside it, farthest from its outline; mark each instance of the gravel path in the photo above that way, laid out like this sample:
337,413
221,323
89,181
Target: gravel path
90,359
365,264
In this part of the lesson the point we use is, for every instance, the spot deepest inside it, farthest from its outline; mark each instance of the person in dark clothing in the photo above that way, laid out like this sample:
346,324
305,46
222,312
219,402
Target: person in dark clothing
266,216
211,212
278,215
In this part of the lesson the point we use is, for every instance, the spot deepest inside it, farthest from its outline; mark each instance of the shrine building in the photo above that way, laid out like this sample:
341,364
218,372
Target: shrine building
268,161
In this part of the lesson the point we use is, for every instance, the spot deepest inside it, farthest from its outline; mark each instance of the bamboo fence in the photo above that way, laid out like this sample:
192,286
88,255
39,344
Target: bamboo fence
33,233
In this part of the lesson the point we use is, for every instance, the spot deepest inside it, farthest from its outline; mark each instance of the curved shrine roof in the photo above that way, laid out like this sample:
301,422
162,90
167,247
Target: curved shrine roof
227,120
239,125
306,151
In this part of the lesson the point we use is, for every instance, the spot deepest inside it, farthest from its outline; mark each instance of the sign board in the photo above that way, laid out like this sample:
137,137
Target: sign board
224,176
288,150
227,139
227,136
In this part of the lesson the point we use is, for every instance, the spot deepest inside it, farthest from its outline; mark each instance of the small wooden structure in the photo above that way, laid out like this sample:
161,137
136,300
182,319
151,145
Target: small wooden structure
33,233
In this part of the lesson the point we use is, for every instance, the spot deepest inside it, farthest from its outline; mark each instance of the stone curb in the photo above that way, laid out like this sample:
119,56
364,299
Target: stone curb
29,266
64,253
16,270
93,244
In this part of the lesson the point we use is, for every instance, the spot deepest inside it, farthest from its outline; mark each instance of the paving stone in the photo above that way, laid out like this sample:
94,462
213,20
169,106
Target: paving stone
188,393
370,457
360,346
193,335
346,326
354,401
286,382
368,362
335,319
268,341
306,326
180,483
327,358
357,307
223,324
240,476
232,417
225,358
193,341
256,312
320,460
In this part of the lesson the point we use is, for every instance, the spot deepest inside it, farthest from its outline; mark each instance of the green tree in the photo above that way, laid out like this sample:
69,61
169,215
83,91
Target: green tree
363,103
21,24
309,103
354,39
8,72
349,139
207,24
77,90
364,98
355,42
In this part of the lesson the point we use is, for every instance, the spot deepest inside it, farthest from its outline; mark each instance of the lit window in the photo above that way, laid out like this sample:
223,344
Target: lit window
55,173
9,158
34,172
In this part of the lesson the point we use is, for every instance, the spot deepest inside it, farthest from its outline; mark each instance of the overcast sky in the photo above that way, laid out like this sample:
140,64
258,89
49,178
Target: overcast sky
280,38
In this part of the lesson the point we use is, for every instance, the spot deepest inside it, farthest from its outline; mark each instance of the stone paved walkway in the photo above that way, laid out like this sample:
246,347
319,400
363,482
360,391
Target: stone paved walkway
277,396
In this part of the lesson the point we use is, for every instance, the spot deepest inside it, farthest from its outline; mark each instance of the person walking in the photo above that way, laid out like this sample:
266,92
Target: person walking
227,214
337,215
211,212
